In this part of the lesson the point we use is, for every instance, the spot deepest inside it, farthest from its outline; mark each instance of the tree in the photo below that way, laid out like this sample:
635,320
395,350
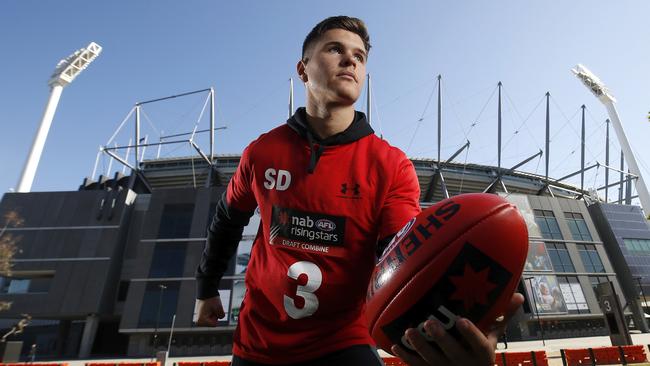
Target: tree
8,247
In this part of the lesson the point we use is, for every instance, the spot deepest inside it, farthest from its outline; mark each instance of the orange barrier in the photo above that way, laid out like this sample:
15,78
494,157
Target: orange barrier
121,364
533,358
633,354
604,355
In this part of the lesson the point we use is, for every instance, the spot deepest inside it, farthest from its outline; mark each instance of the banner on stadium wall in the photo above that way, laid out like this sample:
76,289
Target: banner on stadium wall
522,203
238,292
575,298
549,298
538,259
243,256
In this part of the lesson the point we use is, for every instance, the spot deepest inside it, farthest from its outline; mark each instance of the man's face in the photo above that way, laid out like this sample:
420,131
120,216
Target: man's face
335,68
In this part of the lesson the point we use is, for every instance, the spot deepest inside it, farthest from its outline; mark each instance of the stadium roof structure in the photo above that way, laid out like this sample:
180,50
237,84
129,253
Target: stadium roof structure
437,181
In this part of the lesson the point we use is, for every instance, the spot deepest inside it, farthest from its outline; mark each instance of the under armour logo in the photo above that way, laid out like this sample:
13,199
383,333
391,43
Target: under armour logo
354,188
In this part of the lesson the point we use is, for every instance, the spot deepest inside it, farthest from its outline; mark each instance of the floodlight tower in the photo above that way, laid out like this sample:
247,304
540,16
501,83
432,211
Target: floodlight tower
597,87
66,71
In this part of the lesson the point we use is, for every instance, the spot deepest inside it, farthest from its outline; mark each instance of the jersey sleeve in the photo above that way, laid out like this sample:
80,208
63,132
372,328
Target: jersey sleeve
239,194
402,201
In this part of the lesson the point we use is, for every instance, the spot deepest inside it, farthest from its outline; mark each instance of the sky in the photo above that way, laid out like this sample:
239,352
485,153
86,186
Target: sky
247,51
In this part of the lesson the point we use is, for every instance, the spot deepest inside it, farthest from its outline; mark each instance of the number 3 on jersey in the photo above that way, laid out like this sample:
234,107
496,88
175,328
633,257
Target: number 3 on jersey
314,280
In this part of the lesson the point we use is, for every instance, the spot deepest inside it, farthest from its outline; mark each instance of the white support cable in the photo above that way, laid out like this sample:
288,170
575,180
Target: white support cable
196,125
412,90
567,121
376,111
524,122
120,126
160,145
476,120
110,162
99,152
594,186
126,155
151,124
421,119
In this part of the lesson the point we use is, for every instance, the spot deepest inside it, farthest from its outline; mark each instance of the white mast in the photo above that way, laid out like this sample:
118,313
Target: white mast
601,92
66,71
369,101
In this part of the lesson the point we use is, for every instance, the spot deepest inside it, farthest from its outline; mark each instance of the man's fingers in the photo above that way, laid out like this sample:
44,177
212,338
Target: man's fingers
218,311
449,345
478,342
423,348
410,359
210,311
207,322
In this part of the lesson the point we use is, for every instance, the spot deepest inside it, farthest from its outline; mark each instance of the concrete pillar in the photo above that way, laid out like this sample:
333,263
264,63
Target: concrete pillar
88,336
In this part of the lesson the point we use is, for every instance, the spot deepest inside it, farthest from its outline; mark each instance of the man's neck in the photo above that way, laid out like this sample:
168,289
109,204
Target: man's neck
328,121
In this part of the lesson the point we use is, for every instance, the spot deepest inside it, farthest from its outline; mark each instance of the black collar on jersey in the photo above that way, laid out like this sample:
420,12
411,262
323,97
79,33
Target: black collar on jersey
358,129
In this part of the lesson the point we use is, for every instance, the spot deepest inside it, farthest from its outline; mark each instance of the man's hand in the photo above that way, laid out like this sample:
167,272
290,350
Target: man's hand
479,349
210,311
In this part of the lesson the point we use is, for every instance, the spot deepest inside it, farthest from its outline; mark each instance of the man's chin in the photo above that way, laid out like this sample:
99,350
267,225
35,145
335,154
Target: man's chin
347,98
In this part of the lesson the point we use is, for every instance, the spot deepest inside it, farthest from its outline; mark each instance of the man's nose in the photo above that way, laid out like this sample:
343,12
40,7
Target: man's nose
349,59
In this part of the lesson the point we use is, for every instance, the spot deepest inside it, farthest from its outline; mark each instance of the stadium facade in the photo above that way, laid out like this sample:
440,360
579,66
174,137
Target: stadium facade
109,269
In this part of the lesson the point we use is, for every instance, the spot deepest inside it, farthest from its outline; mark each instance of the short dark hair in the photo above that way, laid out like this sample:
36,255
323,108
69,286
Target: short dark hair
354,25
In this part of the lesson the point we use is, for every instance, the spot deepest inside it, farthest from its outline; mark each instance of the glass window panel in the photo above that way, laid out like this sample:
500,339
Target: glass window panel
584,230
573,227
555,229
566,261
168,260
176,221
18,286
158,305
596,262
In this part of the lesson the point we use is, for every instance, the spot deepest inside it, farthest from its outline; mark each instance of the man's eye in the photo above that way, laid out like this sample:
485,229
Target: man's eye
336,49
360,58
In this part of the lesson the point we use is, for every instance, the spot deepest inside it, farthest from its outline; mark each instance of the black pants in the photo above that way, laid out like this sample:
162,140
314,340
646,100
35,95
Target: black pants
361,355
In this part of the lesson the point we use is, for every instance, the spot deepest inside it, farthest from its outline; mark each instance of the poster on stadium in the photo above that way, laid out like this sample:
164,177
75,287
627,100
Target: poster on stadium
575,298
522,203
538,259
246,243
547,294
238,291
243,256
225,301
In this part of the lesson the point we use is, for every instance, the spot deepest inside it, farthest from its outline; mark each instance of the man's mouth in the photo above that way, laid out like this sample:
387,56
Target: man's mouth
347,75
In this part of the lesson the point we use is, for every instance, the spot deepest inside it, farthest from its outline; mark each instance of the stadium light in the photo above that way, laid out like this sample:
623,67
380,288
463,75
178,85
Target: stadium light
598,88
66,71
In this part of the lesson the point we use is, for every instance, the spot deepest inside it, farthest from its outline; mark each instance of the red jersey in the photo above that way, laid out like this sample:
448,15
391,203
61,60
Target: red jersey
323,205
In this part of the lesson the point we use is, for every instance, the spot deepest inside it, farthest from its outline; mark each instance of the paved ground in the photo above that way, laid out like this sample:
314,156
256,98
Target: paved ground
552,348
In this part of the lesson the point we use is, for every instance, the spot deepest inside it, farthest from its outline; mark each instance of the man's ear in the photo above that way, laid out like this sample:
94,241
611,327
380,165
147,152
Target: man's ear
300,68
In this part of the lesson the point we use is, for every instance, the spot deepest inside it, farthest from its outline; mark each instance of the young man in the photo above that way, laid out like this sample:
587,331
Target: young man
330,194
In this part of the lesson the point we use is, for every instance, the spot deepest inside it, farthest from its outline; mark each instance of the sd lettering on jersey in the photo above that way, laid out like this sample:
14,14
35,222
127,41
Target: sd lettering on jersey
471,283
307,231
278,180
